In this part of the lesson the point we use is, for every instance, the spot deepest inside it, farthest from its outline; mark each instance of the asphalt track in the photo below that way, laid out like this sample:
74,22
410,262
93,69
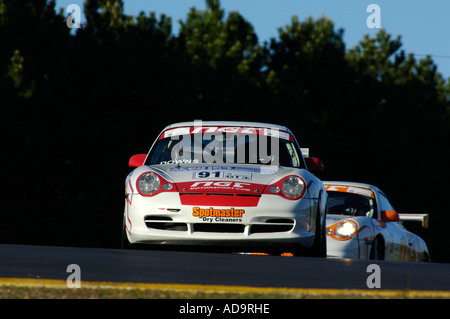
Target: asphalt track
175,267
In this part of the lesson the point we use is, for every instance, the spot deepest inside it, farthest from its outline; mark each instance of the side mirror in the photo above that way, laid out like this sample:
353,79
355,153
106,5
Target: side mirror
389,216
137,160
314,164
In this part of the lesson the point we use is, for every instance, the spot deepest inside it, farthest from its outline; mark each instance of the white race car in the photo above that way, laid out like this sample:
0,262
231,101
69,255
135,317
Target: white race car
236,186
362,224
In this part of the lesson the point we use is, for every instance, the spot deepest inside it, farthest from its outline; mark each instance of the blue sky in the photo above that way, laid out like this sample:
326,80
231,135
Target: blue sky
423,25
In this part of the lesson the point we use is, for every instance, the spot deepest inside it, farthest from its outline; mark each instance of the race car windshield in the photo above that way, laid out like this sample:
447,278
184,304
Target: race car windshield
226,147
349,204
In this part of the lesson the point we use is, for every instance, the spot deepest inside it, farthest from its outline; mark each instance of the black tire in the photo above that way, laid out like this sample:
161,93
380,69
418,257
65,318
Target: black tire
319,247
377,250
125,244
425,258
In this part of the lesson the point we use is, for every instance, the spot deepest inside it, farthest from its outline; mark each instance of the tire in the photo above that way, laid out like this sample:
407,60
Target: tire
425,258
377,250
125,244
319,247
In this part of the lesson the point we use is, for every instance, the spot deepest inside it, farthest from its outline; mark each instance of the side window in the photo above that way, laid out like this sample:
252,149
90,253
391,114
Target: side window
383,202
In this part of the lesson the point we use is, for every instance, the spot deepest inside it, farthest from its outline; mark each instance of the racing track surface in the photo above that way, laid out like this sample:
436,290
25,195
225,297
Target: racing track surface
22,261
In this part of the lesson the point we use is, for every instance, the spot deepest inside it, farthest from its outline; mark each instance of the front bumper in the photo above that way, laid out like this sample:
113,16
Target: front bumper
344,249
275,222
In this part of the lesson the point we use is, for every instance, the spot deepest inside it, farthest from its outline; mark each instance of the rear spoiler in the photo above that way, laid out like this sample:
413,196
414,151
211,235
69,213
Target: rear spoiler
424,218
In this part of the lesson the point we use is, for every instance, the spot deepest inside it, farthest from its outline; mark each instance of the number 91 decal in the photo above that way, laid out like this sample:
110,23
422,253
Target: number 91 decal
222,174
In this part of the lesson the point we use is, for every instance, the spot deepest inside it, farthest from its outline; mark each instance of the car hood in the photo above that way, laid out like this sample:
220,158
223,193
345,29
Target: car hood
223,178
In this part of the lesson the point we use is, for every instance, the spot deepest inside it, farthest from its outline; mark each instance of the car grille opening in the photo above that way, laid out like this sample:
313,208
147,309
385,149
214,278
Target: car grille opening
273,225
218,228
164,223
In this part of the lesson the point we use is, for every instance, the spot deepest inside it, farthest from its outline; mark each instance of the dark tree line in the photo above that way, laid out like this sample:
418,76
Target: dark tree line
75,106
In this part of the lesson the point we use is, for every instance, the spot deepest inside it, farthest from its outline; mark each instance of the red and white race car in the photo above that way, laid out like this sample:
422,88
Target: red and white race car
239,186
362,224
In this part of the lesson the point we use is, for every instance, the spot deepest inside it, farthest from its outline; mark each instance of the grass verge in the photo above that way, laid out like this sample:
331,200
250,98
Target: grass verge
20,288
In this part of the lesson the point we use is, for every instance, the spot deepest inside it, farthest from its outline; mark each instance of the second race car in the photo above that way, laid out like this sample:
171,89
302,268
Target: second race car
362,224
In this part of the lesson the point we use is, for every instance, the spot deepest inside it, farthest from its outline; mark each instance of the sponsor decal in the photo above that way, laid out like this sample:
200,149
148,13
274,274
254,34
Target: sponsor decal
350,189
230,186
180,161
234,130
222,174
220,184
218,215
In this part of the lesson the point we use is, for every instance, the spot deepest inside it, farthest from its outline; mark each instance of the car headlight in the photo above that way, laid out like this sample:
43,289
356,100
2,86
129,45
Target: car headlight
148,183
345,229
293,187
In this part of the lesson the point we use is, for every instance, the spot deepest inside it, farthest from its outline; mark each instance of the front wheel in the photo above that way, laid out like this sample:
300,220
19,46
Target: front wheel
425,258
125,244
377,251
319,247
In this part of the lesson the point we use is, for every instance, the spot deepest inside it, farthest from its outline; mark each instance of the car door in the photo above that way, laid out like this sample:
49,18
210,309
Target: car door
395,236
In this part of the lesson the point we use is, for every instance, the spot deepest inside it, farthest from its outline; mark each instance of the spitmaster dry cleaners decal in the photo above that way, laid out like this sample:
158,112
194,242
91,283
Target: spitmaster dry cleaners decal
218,215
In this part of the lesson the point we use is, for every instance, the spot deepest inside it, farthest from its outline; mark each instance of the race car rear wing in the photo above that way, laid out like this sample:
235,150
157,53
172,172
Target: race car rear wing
424,218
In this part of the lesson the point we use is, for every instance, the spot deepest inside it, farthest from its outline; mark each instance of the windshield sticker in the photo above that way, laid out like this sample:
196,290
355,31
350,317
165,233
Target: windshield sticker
350,189
233,130
177,131
360,191
180,161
